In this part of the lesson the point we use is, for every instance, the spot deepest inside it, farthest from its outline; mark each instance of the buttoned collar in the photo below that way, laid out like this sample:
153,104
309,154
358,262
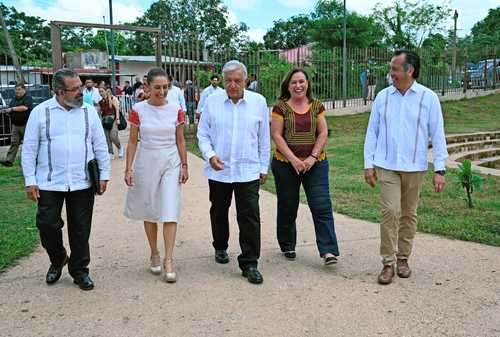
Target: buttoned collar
415,87
243,99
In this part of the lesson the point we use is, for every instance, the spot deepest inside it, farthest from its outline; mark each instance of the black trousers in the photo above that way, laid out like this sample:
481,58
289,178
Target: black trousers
79,207
247,214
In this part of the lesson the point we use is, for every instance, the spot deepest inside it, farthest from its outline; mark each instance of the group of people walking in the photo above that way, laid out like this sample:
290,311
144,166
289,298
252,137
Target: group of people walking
234,136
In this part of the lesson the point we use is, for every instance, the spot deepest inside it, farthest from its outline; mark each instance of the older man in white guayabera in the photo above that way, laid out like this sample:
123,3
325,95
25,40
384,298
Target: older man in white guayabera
403,118
234,139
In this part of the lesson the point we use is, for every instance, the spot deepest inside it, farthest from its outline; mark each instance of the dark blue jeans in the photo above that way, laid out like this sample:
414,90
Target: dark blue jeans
316,186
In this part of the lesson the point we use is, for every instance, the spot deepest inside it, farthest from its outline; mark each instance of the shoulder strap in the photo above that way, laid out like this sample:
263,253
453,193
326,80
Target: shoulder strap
49,141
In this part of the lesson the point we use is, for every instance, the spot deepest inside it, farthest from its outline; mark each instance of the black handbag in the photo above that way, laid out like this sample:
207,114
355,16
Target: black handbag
93,168
123,122
92,165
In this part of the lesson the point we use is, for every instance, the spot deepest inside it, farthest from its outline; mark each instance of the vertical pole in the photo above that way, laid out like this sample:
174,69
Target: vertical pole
158,49
495,71
55,37
344,59
466,75
454,62
113,69
443,74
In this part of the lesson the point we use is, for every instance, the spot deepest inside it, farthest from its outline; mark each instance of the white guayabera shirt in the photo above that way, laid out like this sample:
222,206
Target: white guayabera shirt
399,129
238,134
59,143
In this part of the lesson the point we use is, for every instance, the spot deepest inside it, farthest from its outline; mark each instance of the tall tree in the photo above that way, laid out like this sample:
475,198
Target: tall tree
30,35
186,20
287,34
327,27
408,22
487,31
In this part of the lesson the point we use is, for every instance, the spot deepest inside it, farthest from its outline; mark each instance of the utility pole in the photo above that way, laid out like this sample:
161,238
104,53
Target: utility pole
454,61
344,59
19,73
113,70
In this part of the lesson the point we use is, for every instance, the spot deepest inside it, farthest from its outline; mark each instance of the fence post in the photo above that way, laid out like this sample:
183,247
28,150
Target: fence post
466,74
485,83
443,74
495,72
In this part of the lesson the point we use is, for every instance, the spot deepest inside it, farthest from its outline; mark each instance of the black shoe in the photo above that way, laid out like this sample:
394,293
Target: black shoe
7,164
253,275
54,273
221,256
290,254
84,282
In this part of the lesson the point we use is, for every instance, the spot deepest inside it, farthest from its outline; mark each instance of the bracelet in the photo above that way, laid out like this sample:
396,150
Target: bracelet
314,156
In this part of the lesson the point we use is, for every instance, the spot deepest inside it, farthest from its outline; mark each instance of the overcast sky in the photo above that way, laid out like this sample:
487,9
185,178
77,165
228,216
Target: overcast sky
257,14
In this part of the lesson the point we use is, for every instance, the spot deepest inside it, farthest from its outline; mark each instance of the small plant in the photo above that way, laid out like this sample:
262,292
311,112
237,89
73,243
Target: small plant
468,179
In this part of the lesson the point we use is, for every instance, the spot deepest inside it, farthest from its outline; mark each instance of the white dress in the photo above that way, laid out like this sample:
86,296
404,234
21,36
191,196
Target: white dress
156,194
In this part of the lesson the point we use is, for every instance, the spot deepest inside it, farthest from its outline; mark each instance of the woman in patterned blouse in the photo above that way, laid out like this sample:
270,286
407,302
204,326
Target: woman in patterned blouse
300,132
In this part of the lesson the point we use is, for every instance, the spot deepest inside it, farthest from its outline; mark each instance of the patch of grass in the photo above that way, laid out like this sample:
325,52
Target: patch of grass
444,213
18,233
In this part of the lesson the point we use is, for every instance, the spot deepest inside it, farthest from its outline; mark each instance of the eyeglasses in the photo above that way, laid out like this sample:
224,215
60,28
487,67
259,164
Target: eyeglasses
73,89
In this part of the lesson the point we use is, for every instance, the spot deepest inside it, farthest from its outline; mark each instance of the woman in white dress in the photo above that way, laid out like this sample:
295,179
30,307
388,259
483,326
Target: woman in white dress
160,168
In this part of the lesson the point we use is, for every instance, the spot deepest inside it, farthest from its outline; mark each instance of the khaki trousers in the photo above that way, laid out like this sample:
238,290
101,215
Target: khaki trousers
399,196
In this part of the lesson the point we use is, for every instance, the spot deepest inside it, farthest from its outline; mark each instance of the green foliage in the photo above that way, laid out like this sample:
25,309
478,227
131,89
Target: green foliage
193,20
469,180
273,70
288,34
407,23
327,27
486,32
30,35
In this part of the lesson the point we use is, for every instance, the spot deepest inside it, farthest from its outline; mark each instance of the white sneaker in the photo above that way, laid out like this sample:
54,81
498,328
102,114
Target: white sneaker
120,152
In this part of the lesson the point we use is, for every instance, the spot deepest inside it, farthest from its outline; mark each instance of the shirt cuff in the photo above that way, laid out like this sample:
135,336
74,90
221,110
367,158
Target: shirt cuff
104,175
264,170
368,164
209,154
439,165
30,181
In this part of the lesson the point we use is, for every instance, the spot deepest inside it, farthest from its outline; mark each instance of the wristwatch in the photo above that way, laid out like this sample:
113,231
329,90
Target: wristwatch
441,172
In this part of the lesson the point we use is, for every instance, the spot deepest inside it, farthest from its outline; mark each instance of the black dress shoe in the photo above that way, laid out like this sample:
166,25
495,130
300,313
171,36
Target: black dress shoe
54,273
221,256
84,282
6,163
253,275
290,255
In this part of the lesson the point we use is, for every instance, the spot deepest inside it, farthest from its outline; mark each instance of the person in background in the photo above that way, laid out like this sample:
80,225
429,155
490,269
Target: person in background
372,84
253,83
91,94
175,94
62,135
208,91
19,110
190,98
110,109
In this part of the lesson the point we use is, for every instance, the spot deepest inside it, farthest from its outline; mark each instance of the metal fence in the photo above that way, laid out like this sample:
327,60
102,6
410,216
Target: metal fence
448,72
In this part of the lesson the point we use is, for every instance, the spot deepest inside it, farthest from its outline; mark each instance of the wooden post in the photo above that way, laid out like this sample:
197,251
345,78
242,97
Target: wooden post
55,38
158,49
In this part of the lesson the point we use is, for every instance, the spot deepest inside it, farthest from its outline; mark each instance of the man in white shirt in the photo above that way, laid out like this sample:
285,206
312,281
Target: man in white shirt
175,94
91,94
234,139
213,88
403,118
62,135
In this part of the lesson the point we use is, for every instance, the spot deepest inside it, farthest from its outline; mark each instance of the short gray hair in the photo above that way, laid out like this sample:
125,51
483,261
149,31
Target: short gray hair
59,76
234,65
